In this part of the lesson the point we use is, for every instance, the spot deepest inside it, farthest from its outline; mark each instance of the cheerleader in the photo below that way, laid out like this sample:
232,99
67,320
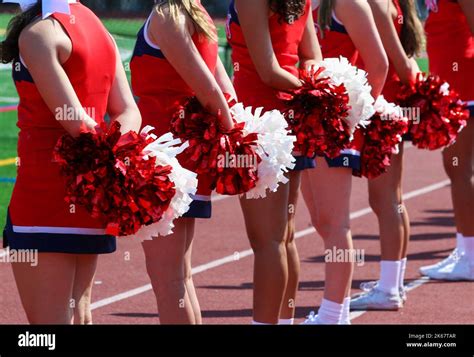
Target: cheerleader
345,28
402,35
69,76
450,29
269,38
175,57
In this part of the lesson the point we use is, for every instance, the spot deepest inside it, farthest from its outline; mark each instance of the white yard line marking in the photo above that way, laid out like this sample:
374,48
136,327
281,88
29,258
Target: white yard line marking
246,253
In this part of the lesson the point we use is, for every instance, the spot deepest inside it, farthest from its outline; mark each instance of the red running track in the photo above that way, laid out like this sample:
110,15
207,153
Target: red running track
223,263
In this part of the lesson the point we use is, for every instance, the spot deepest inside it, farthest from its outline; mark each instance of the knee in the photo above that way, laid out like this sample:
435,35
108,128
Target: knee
265,244
383,202
457,169
329,225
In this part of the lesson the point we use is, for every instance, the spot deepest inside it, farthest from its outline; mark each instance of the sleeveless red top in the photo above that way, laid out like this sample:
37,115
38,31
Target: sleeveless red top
451,47
157,84
335,41
38,197
286,40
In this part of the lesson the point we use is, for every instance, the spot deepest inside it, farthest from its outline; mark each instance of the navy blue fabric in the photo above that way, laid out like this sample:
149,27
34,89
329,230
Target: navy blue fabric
199,209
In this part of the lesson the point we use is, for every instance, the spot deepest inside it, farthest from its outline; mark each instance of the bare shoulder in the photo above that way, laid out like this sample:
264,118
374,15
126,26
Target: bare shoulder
41,33
165,19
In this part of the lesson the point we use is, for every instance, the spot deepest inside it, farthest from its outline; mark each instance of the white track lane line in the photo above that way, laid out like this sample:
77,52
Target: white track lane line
246,253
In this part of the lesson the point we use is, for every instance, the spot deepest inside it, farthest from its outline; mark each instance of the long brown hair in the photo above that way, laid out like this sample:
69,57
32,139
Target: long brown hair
288,10
326,7
9,49
413,35
192,9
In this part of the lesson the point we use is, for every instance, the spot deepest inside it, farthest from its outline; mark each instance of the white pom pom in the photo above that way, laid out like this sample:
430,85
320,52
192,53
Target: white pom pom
275,145
165,149
341,71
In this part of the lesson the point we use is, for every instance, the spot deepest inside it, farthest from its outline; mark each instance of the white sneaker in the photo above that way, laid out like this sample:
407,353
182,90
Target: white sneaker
312,319
370,285
376,299
453,257
460,270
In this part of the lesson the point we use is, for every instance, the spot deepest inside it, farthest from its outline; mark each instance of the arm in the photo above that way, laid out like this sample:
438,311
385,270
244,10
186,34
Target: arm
391,41
44,47
359,22
468,9
174,39
121,104
223,80
253,16
310,50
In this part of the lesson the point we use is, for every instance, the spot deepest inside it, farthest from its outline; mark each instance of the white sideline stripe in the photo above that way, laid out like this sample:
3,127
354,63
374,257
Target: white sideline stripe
246,253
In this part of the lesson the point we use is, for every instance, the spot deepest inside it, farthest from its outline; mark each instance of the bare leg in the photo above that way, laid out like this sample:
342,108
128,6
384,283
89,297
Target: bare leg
289,300
458,163
266,223
386,201
46,290
327,194
82,290
165,266
188,272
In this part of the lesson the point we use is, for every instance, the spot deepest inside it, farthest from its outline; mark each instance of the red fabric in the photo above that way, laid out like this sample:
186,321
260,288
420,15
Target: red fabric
38,197
286,39
335,43
451,47
160,88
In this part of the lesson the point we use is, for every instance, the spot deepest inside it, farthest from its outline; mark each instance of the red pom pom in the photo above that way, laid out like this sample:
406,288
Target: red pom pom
229,157
381,139
442,114
317,114
108,175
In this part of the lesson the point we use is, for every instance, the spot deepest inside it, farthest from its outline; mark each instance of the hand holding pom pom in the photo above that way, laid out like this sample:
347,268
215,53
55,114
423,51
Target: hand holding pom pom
381,138
442,114
317,114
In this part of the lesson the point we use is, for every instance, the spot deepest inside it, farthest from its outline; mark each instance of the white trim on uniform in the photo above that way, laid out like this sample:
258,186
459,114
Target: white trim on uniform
201,198
350,152
147,38
470,103
59,230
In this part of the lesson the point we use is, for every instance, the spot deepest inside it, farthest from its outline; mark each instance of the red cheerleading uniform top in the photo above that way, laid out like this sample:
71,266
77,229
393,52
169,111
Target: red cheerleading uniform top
37,204
334,40
450,46
392,83
157,84
286,39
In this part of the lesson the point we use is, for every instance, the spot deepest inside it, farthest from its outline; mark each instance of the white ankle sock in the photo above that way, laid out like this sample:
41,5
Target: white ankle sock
460,243
286,322
469,248
390,276
403,268
330,312
346,312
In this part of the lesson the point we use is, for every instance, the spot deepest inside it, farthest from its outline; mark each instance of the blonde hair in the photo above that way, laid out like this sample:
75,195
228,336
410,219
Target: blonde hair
191,8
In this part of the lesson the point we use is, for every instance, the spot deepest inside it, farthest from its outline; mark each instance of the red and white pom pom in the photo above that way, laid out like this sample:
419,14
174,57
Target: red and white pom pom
164,150
275,145
317,114
382,138
442,113
361,102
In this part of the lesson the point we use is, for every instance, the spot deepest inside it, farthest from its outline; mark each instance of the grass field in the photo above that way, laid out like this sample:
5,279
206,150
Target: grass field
124,32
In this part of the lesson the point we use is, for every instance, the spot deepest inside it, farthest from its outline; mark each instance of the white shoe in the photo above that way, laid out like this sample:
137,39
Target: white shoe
370,285
460,270
453,257
376,299
312,319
